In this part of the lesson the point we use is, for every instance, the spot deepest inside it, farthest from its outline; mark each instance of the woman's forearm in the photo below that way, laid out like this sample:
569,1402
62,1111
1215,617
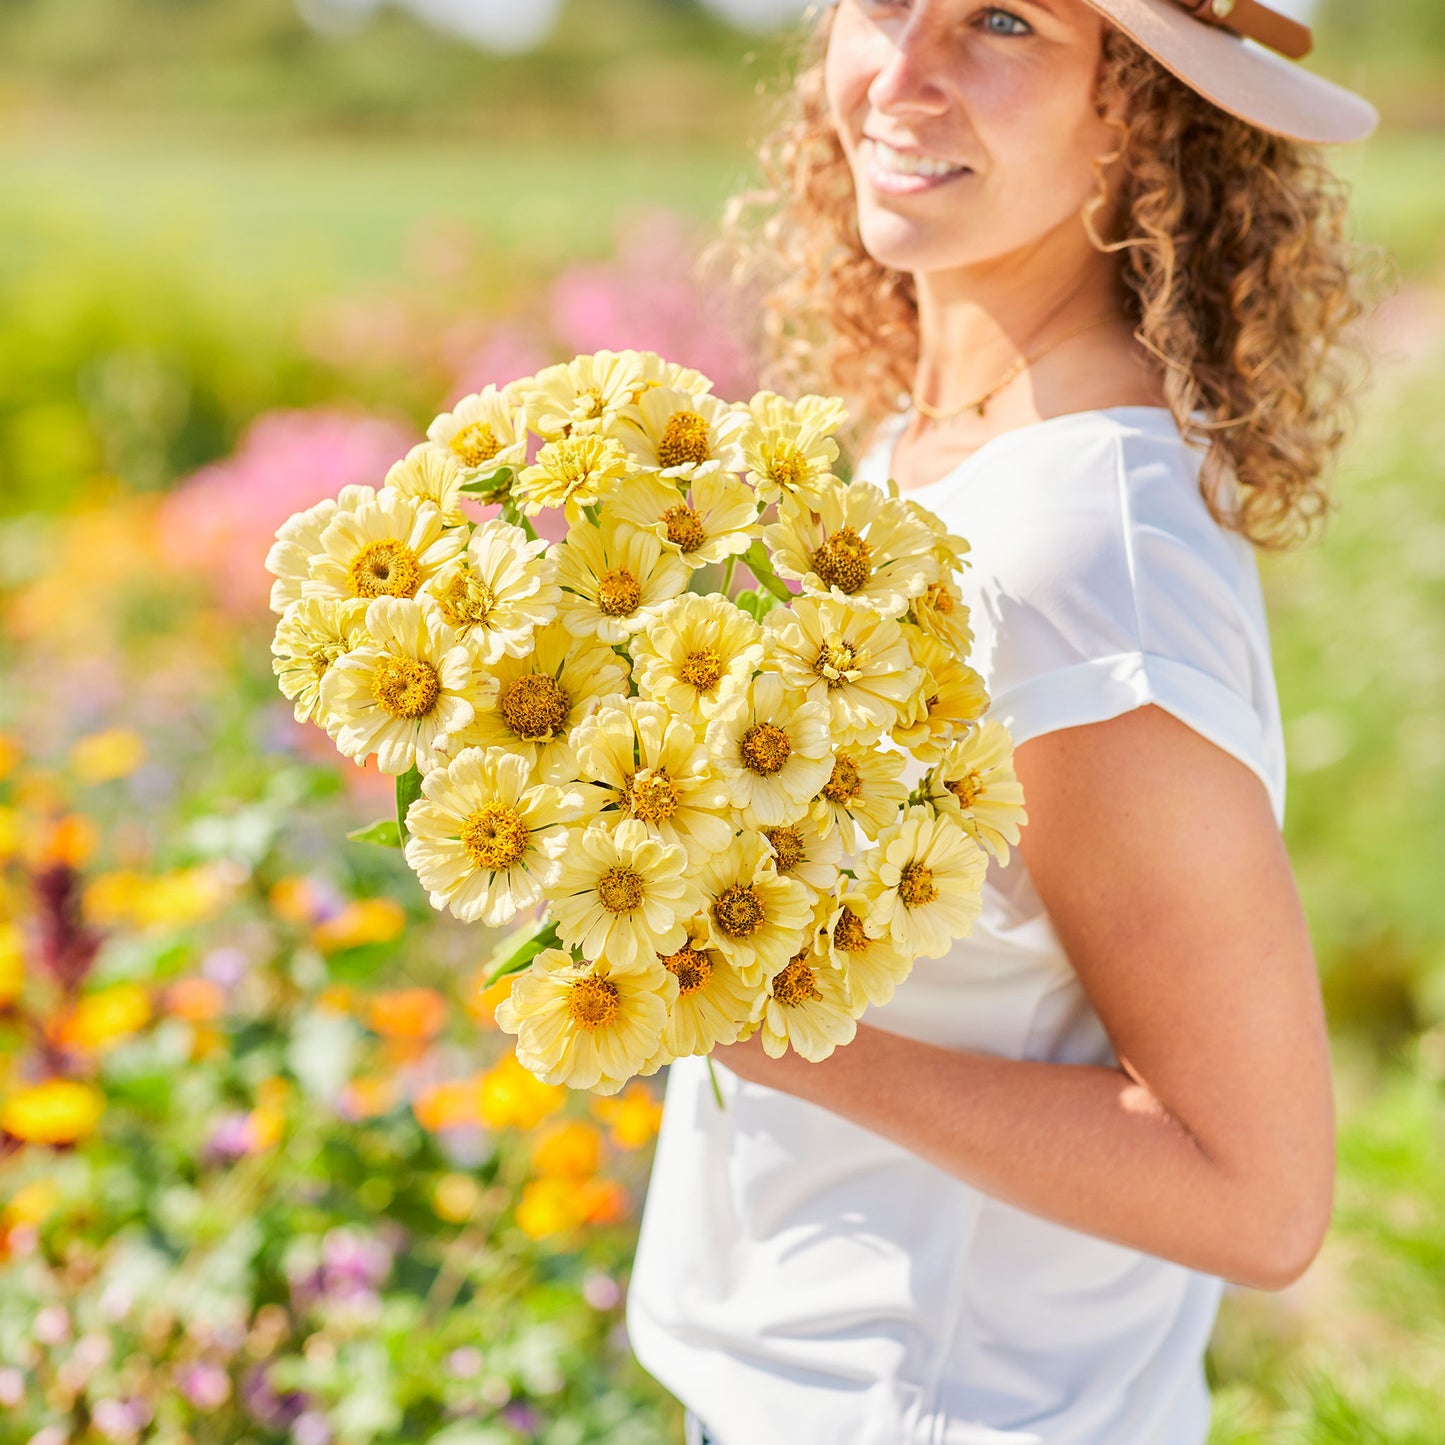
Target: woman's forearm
1083,1145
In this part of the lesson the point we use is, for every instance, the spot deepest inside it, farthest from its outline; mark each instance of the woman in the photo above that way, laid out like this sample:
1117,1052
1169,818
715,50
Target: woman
1090,239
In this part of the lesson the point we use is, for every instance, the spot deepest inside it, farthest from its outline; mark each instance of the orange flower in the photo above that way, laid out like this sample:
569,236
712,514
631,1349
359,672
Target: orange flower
293,899
368,1097
101,1020
58,1111
407,1013
10,754
602,1201
514,1098
632,1116
570,1148
197,1000
70,840
448,1105
548,1206
481,1002
364,920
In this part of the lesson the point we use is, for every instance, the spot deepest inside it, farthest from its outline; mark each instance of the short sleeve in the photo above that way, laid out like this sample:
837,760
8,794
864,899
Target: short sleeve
1115,589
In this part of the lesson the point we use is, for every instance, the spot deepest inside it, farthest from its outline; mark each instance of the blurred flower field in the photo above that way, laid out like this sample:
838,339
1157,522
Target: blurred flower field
268,1171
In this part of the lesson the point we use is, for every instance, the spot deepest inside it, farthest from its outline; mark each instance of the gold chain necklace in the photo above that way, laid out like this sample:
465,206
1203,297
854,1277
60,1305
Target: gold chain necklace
978,403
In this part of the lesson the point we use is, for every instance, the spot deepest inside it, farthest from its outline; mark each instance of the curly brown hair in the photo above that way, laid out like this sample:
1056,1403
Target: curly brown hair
1240,275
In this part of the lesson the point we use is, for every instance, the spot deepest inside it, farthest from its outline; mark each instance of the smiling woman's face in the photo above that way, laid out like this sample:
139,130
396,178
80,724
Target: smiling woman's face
969,127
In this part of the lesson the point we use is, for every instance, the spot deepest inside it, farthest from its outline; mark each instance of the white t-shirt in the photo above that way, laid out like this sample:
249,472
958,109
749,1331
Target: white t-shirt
801,1280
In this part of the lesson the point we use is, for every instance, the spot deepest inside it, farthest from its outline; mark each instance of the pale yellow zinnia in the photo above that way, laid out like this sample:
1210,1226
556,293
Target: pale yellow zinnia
543,696
974,783
873,967
298,540
695,653
756,918
407,690
485,838
386,547
713,999
801,851
925,883
788,447
856,545
714,519
310,636
583,1025
622,895
573,472
499,591
483,431
676,433
654,370
645,763
771,749
430,473
612,577
854,662
951,698
940,611
580,396
806,1005
864,792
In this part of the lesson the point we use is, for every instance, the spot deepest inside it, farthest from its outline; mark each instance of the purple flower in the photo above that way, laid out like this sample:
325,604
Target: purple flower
277,1411
231,1137
522,1418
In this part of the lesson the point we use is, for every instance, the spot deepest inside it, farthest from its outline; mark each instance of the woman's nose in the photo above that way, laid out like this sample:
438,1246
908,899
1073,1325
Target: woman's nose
912,78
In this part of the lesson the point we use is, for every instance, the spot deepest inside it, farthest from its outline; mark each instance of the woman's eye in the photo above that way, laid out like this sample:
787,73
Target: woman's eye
1005,22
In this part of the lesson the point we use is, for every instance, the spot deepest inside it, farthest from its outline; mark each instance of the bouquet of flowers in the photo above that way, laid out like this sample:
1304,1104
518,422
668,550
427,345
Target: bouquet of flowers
727,807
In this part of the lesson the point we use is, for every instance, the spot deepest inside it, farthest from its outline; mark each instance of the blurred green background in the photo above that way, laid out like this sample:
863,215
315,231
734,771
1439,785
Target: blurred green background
246,252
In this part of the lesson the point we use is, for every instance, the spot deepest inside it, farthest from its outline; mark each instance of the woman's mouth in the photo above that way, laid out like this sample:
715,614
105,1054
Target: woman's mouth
903,173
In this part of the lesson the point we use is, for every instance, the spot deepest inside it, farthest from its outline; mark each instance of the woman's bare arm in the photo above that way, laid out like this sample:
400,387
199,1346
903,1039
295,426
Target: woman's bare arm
1167,882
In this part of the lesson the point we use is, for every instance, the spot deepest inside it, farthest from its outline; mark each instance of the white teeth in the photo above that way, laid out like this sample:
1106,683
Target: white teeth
911,165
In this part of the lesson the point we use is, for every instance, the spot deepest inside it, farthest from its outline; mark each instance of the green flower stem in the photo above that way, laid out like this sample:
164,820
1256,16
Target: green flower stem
728,575
762,568
716,1088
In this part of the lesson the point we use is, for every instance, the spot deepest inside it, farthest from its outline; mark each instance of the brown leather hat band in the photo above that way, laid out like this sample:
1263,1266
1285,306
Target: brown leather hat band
1257,22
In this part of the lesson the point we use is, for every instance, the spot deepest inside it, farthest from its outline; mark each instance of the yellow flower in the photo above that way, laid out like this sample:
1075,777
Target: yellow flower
542,697
581,1025
950,550
102,1019
514,1098
363,921
549,1206
58,1111
103,756
298,540
429,473
455,1198
856,545
865,789
714,519
499,592
450,1104
484,837
383,548
631,1117
771,750
756,919
310,636
855,663
10,754
952,697
12,963
714,999
788,448
581,396
873,967
974,783
695,653
800,851
570,1148
653,370
678,434
483,432
808,1006
407,690
573,472
940,611
611,577
925,883
622,896
649,765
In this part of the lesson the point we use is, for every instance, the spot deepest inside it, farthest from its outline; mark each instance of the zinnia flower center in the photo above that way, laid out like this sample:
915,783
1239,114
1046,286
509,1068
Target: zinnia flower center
842,561
739,911
652,796
848,933
535,707
701,669
465,600
787,843
385,569
691,967
620,889
618,592
834,662
939,598
916,886
788,466
845,782
765,748
683,528
475,443
684,440
966,789
593,1002
794,983
323,655
405,686
495,837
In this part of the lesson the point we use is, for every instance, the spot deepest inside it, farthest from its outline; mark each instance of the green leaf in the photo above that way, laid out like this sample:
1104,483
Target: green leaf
384,833
521,957
487,486
756,604
408,790
761,566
